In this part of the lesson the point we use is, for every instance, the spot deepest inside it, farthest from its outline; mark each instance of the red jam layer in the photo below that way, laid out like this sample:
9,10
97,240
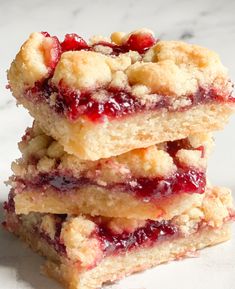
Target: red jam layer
112,243
145,236
119,103
183,181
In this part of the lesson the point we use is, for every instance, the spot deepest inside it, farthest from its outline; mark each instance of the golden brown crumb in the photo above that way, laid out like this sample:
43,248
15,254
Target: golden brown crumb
169,68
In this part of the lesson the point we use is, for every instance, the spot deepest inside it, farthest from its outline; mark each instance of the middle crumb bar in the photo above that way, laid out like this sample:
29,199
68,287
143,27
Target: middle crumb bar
158,182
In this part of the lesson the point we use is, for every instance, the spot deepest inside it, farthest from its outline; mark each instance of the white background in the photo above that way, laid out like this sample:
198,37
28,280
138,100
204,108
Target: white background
206,22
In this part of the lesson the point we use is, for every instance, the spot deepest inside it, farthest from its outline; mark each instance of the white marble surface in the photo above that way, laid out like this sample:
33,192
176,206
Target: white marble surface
207,22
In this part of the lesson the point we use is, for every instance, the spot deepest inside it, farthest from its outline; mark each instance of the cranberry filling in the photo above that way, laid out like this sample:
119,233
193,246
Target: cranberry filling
112,243
59,182
148,189
189,181
174,146
118,104
140,42
73,42
46,34
148,235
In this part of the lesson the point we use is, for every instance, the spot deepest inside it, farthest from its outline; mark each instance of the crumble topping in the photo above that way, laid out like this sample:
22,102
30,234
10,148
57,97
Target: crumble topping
100,96
119,80
119,63
202,140
82,69
46,164
149,162
48,225
192,158
55,150
217,206
103,49
37,146
180,103
214,209
32,220
120,225
29,65
76,236
189,220
170,68
139,90
175,69
117,37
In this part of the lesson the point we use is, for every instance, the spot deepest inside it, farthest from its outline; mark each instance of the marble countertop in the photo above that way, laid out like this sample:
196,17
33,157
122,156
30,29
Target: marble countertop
209,23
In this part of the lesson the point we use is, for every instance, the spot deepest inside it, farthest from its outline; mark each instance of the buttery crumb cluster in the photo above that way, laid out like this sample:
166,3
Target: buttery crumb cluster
112,174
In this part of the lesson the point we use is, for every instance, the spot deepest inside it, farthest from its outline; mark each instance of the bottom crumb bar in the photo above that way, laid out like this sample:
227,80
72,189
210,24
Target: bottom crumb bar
84,252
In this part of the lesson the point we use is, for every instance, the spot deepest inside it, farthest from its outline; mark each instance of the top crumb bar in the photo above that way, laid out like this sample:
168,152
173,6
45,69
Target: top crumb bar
109,96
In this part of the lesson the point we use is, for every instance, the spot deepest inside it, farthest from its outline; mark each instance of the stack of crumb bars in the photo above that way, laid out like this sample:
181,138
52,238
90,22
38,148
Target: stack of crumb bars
112,178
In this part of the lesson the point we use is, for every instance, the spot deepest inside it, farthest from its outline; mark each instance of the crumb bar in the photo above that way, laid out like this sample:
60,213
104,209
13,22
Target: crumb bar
83,252
110,96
